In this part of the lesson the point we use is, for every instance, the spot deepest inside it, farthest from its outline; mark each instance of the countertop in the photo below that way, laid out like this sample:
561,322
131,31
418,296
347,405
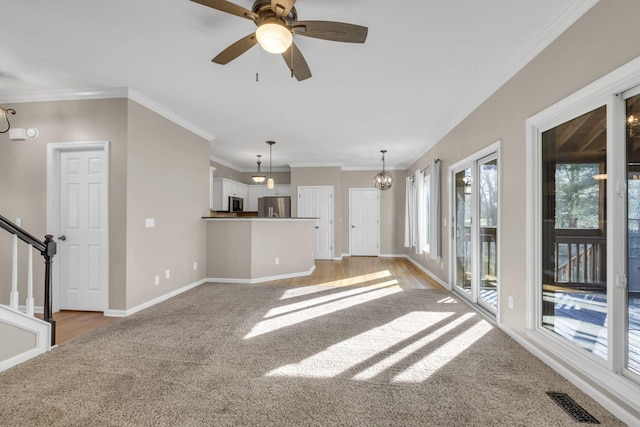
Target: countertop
255,218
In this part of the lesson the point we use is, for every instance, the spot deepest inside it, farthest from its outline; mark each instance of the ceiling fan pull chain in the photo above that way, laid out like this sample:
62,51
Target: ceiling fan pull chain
257,63
291,48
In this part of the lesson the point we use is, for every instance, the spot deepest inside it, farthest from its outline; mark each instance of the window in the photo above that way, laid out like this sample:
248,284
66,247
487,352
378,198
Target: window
573,270
582,231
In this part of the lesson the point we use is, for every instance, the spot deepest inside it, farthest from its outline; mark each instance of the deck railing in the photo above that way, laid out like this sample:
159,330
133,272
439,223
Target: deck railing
581,260
47,249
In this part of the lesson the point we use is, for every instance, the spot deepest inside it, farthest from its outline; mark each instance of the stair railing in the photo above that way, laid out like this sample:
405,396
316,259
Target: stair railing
47,249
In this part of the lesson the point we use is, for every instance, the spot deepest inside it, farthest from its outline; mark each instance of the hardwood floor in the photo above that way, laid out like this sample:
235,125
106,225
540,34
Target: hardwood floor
71,324
351,271
342,273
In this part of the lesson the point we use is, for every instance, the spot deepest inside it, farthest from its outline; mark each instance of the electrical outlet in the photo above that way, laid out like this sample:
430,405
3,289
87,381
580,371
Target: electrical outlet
511,302
157,280
150,222
195,266
277,261
167,274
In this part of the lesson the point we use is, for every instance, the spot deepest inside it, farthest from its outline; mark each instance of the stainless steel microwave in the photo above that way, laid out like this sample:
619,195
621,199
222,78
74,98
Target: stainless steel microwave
236,204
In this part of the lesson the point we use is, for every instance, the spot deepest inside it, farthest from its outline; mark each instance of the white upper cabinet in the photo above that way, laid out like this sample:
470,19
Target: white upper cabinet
277,191
223,188
255,192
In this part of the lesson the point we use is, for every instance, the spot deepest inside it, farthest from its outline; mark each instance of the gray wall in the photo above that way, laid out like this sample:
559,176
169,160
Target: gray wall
15,341
247,248
602,40
391,210
23,182
167,179
157,169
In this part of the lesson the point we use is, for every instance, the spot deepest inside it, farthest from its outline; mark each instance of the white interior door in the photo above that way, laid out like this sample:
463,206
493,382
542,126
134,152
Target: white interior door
318,202
364,221
82,249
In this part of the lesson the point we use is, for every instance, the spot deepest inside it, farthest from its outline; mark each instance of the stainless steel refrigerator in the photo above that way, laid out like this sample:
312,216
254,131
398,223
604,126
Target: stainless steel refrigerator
274,207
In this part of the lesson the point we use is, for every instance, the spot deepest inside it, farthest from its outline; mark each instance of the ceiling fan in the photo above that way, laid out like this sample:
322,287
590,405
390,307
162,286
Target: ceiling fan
277,22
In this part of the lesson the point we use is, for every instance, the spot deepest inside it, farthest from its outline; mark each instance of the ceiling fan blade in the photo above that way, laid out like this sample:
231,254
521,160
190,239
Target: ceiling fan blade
334,31
299,66
282,7
236,49
226,6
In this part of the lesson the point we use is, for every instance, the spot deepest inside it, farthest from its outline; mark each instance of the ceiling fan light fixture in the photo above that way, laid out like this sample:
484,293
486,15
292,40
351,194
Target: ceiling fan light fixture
274,37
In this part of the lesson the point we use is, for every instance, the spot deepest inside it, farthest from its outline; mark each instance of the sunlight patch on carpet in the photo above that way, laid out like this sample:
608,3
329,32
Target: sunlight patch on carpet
447,300
321,287
412,348
435,360
357,352
302,315
277,311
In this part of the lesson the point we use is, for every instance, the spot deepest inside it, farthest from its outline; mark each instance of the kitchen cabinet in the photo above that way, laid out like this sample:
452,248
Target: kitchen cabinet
254,193
223,188
277,191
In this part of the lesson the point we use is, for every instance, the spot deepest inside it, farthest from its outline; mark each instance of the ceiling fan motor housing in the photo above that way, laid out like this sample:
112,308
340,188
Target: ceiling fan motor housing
263,9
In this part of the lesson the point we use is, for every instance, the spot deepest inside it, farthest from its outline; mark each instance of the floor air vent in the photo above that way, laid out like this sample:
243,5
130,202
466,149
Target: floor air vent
577,412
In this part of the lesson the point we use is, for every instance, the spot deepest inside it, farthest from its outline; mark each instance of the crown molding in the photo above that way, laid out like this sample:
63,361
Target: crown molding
168,114
534,48
315,165
64,95
224,163
107,93
245,170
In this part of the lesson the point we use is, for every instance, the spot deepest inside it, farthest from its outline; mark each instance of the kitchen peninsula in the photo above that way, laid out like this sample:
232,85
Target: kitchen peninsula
252,249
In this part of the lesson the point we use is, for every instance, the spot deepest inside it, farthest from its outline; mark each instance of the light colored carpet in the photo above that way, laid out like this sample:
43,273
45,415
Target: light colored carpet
275,355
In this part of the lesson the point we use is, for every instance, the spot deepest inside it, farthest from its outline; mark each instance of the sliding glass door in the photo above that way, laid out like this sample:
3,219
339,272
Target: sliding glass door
475,205
574,231
463,219
632,303
588,277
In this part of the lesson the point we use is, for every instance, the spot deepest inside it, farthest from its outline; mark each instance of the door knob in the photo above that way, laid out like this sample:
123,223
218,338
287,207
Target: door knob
353,226
63,238
317,227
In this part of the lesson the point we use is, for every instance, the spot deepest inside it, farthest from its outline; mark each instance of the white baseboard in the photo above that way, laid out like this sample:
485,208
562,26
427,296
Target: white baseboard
604,399
161,298
20,358
261,279
429,273
392,256
36,309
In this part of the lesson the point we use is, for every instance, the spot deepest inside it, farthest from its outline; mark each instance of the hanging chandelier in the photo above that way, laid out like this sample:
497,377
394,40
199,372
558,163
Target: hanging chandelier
258,177
383,180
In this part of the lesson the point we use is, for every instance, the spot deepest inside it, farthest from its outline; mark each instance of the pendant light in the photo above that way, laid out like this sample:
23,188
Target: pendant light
383,180
258,177
270,182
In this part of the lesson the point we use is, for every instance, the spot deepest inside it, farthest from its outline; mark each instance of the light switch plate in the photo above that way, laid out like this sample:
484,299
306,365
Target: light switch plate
150,222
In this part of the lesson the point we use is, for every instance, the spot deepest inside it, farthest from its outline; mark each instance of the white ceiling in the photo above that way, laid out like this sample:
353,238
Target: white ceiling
424,66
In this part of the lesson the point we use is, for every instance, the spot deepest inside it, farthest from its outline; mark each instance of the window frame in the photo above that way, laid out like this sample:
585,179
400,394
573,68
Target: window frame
546,344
